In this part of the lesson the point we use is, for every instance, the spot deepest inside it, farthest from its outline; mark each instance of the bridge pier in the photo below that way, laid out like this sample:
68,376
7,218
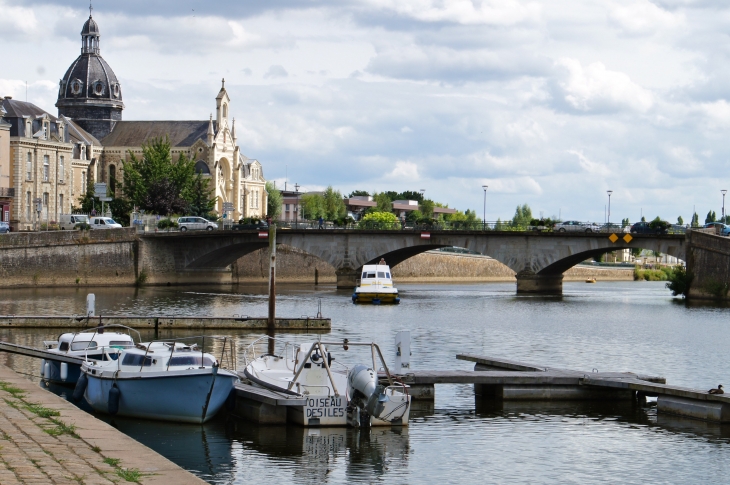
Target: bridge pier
529,282
347,277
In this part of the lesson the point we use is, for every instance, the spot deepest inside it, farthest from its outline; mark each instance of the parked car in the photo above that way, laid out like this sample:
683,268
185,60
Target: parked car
259,226
576,226
614,227
191,223
104,223
4,227
720,228
644,227
69,222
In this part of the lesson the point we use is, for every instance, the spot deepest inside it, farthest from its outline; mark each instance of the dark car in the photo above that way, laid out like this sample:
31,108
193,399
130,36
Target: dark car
251,226
719,227
644,227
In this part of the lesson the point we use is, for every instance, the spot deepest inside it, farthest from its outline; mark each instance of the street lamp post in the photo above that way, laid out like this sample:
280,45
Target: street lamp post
296,209
723,204
484,217
609,192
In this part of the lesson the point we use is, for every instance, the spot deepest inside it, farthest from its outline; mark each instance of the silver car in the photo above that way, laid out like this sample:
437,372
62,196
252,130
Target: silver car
195,224
4,227
576,226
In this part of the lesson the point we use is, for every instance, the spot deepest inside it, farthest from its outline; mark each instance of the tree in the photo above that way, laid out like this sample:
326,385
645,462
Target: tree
334,206
695,220
156,171
359,193
680,221
385,203
312,206
201,200
680,281
643,219
625,222
522,217
710,217
273,204
427,208
636,252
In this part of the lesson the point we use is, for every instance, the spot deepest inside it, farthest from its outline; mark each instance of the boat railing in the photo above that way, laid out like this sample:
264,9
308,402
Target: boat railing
226,361
104,351
249,355
102,328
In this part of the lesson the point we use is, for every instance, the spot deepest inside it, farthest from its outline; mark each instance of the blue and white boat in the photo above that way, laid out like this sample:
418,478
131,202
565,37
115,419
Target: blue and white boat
89,344
163,380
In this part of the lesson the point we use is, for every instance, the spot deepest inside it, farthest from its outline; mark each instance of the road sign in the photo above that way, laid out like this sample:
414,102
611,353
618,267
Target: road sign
100,190
105,199
227,206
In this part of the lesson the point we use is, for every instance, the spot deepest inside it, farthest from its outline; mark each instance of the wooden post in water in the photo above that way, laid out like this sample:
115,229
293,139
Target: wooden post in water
272,286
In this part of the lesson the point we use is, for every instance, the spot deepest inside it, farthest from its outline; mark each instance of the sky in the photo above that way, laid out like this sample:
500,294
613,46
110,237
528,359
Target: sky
548,103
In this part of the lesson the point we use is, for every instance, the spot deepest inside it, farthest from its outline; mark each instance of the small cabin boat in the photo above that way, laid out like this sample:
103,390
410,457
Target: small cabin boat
336,395
163,380
591,280
87,344
376,285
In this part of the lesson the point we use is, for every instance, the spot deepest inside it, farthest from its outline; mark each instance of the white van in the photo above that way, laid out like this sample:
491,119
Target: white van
68,222
104,223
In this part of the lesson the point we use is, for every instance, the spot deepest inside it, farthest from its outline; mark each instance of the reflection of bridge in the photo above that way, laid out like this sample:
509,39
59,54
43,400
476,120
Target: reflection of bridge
539,259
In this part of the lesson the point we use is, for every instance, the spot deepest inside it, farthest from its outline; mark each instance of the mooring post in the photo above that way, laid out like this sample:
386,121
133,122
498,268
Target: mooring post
272,286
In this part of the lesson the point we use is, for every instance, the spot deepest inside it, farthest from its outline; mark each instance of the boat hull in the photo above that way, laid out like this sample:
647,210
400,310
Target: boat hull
376,298
178,397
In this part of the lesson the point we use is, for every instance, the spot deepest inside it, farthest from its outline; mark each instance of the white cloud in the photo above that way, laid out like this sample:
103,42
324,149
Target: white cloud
467,12
595,88
593,168
643,17
17,21
276,72
404,172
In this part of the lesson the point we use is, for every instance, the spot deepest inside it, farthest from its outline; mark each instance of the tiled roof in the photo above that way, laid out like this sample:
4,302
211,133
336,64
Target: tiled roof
135,133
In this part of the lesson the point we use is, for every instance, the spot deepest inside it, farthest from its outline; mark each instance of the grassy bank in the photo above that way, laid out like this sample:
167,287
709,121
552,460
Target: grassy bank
661,274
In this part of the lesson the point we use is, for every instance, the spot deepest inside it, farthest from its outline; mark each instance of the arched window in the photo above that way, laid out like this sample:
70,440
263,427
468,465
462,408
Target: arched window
113,178
61,169
29,167
202,167
225,110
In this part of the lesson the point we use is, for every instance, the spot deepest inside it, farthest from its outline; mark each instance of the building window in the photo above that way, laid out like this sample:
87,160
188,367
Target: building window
29,167
45,199
112,178
60,203
287,207
83,182
27,205
256,199
61,169
46,168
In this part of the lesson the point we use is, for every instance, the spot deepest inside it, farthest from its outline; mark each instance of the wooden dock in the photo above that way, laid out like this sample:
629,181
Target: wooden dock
496,378
235,322
39,353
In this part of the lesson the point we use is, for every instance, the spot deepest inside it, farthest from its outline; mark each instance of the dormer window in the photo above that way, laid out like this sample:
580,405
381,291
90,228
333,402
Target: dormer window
115,90
98,87
76,87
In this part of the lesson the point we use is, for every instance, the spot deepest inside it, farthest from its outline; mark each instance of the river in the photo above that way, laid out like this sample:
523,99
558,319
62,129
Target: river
609,326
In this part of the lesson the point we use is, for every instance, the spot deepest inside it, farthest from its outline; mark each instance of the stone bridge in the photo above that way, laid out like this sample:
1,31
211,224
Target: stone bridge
539,259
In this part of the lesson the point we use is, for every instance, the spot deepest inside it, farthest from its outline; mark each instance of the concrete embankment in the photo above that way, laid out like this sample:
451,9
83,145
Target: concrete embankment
46,439
148,323
296,266
708,260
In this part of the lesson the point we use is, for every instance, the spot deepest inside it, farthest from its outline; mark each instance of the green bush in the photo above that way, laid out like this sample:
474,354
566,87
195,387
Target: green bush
82,226
650,274
380,220
166,224
680,281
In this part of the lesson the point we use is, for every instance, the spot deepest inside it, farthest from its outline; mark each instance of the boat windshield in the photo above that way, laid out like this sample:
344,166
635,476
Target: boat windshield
136,359
83,345
191,360
381,274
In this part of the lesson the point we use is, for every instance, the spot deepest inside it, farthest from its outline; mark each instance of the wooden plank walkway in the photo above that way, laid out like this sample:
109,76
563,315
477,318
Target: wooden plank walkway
39,353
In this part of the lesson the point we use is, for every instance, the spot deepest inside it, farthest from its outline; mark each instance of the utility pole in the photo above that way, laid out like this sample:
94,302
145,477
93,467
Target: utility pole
272,286
484,217
609,192
296,209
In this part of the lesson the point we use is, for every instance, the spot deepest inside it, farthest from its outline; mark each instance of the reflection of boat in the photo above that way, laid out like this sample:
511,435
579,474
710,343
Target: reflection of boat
591,280
88,344
166,380
335,396
376,285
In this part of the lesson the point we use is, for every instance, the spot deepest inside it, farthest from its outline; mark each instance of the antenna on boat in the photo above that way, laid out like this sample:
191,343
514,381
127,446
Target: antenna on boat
319,309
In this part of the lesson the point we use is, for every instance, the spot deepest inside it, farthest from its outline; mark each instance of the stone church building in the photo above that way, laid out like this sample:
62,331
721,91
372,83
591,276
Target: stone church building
89,140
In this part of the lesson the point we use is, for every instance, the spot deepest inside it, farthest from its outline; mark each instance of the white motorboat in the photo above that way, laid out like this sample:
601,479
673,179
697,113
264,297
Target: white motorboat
88,344
335,394
376,285
167,380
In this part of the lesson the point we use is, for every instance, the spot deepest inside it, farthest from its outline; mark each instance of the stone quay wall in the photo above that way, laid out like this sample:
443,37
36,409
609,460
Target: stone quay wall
708,259
296,266
68,258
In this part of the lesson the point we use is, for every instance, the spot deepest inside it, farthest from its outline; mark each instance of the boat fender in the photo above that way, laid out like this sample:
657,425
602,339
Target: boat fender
80,387
329,359
64,371
114,396
47,371
231,401
43,366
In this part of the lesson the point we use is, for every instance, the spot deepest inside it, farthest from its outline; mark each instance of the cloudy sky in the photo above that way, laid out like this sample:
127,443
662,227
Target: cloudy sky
549,103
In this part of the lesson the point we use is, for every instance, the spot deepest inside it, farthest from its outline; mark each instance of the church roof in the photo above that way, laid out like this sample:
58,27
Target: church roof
20,109
90,27
78,134
135,133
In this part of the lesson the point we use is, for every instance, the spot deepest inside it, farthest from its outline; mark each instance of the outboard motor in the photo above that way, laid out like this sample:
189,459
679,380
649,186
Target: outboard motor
362,385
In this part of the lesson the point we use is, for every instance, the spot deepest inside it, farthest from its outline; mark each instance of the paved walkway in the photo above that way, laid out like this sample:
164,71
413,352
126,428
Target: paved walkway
47,440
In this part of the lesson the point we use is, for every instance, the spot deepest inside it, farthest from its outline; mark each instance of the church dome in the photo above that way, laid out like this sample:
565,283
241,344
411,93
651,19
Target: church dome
90,92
